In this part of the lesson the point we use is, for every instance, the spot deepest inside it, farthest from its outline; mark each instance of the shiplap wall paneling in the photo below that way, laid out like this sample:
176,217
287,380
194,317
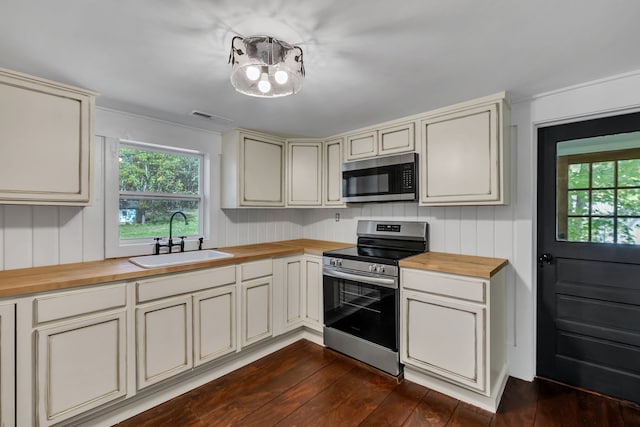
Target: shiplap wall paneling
18,236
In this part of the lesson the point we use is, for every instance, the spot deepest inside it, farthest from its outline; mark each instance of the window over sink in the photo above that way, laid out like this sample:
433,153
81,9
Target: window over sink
145,184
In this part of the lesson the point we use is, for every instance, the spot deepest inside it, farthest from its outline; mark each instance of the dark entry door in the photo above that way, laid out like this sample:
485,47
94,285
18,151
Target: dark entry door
589,255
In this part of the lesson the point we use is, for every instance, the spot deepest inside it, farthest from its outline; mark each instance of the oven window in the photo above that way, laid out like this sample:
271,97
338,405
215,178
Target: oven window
366,311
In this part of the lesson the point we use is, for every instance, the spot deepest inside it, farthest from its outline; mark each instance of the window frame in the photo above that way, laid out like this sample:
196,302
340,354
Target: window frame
116,247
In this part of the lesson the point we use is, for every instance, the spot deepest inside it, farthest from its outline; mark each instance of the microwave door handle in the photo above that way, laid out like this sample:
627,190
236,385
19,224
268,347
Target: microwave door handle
381,281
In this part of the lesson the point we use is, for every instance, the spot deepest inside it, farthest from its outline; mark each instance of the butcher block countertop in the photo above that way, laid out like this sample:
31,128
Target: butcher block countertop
466,265
14,283
24,281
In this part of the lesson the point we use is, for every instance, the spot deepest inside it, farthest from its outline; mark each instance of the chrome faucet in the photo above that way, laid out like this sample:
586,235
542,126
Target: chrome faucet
181,244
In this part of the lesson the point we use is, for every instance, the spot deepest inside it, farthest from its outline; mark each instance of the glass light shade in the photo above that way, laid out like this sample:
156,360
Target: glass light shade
265,67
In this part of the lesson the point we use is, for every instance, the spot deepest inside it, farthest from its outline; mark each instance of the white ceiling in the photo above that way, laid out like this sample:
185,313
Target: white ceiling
367,61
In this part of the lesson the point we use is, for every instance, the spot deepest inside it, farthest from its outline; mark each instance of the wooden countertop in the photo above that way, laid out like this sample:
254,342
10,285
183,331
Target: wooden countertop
23,281
466,265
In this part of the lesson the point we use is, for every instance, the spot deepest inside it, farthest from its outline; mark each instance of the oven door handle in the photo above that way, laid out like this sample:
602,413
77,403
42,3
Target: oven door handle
380,281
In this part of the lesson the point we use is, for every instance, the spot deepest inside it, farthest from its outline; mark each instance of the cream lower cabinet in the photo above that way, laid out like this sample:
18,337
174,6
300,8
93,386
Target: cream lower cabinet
313,312
256,301
465,154
164,339
81,345
184,320
288,297
297,293
214,323
7,365
453,334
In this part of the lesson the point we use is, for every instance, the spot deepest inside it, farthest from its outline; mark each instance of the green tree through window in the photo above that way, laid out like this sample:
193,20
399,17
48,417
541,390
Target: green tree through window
154,183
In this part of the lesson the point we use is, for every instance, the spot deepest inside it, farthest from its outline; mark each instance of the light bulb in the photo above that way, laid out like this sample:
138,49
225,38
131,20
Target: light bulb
253,73
264,86
281,77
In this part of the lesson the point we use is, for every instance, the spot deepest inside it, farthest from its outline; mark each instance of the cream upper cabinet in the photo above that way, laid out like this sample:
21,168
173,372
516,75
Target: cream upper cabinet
396,139
465,154
81,344
391,139
361,145
253,170
46,131
332,172
304,173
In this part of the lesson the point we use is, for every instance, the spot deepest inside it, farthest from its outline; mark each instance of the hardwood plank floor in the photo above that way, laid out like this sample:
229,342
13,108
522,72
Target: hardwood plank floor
305,384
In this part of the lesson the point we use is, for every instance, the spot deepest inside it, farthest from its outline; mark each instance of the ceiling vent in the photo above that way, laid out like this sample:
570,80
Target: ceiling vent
214,118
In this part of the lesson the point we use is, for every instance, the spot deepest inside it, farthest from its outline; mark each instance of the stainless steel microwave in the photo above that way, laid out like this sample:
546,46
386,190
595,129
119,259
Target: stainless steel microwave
381,179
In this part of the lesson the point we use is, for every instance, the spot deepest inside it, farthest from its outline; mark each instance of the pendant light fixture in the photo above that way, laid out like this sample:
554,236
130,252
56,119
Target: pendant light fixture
265,67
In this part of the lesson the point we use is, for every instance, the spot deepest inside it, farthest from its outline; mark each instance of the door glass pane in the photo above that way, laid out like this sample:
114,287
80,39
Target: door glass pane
578,230
603,174
629,173
579,175
602,202
629,231
598,189
602,230
629,202
578,202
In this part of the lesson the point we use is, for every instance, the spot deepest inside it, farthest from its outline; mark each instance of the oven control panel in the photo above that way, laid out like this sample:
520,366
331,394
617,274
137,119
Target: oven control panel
394,228
375,268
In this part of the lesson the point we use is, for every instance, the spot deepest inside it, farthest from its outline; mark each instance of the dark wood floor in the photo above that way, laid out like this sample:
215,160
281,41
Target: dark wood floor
308,385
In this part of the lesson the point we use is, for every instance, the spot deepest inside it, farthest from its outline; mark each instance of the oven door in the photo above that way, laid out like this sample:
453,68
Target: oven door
362,306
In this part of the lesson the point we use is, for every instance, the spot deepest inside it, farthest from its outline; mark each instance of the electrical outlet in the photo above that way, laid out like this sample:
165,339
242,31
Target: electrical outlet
337,216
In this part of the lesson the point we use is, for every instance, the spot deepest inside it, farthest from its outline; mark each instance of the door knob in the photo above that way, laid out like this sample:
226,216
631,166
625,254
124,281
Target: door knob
545,258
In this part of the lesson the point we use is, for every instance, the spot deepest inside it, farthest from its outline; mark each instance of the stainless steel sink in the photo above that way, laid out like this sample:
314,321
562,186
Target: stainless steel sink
179,258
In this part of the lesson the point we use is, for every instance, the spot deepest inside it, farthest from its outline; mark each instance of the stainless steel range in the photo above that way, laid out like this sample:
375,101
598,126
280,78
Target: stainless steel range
361,291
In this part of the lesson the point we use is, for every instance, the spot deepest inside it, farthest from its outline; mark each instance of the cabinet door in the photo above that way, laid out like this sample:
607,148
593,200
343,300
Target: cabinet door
293,303
396,139
304,178
313,292
7,365
80,365
256,310
214,324
46,132
361,145
332,173
461,162
445,337
262,172
164,339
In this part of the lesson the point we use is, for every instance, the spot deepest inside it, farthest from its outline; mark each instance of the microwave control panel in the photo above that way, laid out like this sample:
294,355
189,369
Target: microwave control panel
407,178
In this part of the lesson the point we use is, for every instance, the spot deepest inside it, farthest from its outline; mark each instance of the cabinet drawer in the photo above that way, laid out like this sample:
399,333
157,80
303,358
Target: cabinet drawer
255,269
75,303
176,284
450,285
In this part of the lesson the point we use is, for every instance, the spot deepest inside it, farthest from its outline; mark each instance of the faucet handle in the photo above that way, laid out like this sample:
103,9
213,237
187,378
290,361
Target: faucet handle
200,241
157,239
